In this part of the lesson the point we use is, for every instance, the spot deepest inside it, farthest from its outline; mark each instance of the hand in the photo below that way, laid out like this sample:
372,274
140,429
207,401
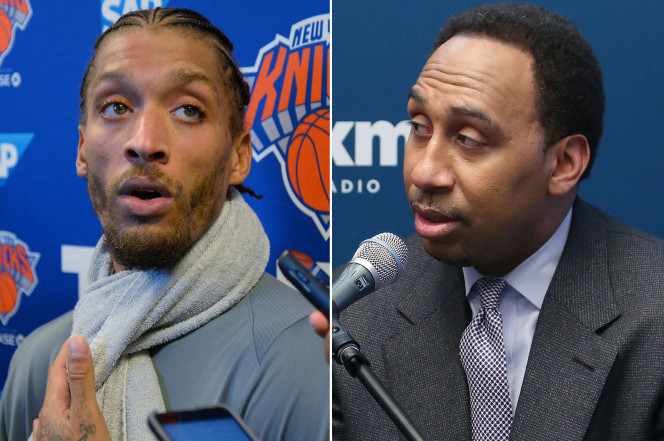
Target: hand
70,411
321,325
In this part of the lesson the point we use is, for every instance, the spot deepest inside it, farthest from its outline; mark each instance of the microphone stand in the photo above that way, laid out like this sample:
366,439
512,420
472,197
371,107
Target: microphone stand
346,352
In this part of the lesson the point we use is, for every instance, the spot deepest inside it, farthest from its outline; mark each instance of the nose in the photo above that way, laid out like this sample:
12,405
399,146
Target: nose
148,140
430,166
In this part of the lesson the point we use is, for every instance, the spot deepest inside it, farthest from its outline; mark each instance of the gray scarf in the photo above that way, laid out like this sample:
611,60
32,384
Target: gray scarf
125,314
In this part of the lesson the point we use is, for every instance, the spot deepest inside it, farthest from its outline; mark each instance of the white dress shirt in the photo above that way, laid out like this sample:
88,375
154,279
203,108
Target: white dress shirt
521,302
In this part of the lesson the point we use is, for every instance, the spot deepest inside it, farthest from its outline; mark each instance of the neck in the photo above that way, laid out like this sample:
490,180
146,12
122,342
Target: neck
550,220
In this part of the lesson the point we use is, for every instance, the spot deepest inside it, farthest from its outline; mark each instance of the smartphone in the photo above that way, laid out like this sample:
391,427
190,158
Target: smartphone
207,423
315,290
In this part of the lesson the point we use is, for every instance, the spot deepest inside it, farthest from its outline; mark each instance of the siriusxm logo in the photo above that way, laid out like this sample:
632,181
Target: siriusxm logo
366,133
12,147
111,10
372,146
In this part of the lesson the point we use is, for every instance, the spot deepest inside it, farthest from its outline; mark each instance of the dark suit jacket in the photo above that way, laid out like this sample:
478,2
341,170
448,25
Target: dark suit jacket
596,365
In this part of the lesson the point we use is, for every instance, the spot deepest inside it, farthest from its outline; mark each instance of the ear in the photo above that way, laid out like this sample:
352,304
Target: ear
81,165
572,154
241,158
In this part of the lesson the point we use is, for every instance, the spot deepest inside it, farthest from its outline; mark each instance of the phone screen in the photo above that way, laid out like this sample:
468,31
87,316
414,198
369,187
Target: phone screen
222,428
213,423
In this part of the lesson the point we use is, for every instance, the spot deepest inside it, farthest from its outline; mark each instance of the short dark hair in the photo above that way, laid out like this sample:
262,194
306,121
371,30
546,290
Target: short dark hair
190,23
568,77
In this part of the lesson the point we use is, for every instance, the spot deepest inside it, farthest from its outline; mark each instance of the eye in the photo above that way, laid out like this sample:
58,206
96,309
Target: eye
114,109
467,141
189,112
418,128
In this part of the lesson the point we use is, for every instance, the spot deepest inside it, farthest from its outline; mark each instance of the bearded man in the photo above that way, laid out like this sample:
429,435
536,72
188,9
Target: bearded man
178,311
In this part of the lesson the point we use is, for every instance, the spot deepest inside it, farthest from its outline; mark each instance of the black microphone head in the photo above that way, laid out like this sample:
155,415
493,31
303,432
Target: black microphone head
387,253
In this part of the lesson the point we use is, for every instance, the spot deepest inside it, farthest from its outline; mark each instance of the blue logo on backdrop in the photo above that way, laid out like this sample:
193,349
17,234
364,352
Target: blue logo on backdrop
17,274
14,14
367,144
12,146
111,10
289,114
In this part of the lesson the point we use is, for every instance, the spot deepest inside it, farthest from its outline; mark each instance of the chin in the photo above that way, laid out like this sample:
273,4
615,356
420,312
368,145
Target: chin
149,246
450,254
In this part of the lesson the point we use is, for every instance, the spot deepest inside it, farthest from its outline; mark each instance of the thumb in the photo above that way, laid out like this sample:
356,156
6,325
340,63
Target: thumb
84,414
80,369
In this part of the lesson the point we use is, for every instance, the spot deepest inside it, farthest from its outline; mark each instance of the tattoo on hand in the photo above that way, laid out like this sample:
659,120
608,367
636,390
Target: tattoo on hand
53,431
87,430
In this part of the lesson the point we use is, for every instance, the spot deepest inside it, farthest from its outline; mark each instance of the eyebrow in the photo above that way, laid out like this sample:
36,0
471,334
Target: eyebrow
186,76
419,99
175,78
473,113
114,76
469,111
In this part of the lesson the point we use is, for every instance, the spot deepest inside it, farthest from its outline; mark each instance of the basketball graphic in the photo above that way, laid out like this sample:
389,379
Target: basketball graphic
8,292
14,14
5,31
289,116
308,160
17,274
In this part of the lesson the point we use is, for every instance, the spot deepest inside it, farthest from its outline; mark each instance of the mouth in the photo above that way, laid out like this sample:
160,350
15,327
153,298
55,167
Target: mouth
434,214
431,214
432,223
144,188
145,197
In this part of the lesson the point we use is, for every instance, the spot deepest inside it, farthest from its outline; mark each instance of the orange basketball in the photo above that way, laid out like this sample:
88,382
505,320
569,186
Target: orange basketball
308,160
5,31
8,292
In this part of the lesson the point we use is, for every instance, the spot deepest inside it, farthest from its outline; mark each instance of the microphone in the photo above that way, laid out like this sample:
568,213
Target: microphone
377,262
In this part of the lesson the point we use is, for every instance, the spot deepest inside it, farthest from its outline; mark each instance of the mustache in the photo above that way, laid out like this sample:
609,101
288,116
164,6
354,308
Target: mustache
149,171
425,200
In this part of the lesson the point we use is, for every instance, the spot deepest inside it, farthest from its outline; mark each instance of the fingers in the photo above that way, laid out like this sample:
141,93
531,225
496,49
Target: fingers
85,417
52,422
70,408
57,389
321,325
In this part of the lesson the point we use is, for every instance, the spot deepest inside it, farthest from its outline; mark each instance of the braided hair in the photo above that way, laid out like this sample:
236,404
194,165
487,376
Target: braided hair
190,23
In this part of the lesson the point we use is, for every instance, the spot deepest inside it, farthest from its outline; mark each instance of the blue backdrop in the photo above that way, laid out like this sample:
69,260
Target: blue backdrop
47,225
379,49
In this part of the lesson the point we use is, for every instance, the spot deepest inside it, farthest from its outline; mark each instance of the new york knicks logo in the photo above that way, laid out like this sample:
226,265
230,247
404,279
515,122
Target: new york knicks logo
17,274
14,14
289,114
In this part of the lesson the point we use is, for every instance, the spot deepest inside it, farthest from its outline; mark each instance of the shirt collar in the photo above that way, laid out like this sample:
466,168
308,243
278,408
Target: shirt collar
533,276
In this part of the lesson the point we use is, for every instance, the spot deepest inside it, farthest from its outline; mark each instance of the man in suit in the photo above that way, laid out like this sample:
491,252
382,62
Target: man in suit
506,118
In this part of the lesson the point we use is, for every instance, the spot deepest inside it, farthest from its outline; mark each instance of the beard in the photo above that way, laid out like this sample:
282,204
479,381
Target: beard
145,246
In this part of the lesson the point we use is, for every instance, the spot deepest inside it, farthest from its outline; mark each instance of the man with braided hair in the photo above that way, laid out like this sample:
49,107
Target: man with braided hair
178,311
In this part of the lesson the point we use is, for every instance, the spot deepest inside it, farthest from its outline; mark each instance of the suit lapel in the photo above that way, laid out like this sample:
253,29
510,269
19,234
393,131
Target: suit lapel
569,362
432,390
